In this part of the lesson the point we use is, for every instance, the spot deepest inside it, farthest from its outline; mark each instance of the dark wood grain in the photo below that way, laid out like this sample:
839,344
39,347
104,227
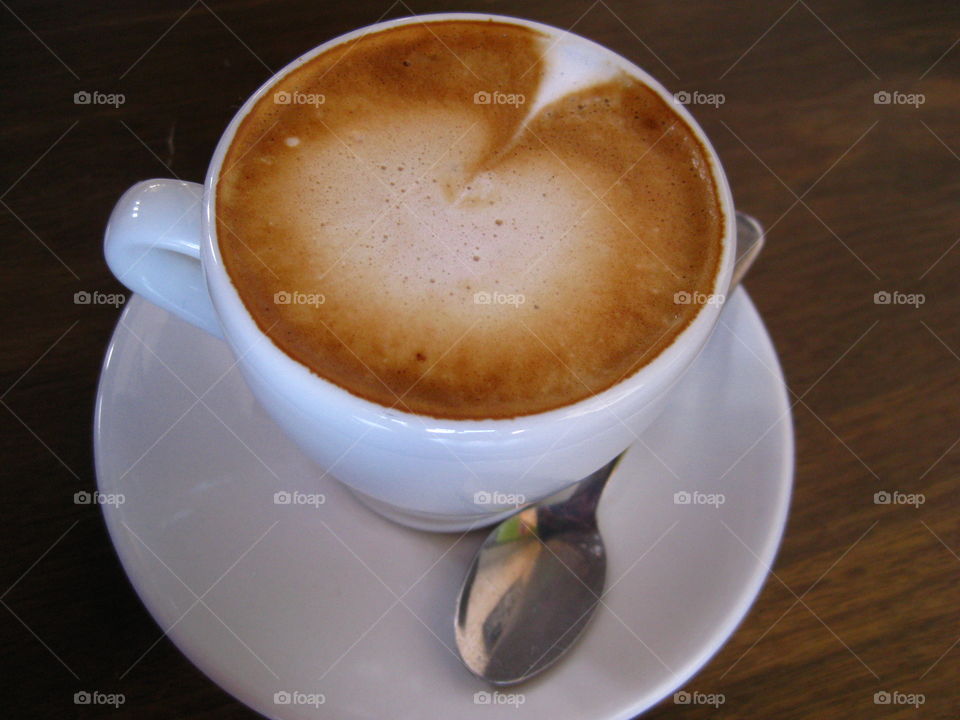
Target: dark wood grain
864,597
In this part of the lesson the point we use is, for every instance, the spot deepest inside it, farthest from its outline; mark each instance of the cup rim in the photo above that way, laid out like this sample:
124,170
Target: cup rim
238,323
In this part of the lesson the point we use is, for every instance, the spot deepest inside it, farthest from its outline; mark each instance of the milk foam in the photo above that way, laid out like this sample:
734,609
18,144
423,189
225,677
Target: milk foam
571,65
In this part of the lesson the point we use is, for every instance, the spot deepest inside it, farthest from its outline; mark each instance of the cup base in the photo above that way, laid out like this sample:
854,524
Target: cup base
429,521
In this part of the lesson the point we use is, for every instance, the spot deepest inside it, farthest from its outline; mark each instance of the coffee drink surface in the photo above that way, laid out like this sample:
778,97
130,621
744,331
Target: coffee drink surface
468,219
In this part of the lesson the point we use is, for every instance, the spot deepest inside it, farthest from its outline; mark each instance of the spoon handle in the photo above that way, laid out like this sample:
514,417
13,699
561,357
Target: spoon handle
750,239
587,494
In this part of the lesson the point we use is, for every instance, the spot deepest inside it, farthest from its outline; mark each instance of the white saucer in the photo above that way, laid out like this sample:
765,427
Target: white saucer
304,599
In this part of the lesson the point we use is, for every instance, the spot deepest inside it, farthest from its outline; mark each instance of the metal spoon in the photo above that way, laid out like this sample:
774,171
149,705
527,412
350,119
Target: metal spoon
538,577
533,586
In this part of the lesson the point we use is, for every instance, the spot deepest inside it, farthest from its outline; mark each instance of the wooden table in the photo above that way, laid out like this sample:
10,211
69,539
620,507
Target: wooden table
860,197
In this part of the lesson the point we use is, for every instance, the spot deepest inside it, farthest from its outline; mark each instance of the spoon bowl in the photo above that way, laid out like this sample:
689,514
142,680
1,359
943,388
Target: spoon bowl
533,586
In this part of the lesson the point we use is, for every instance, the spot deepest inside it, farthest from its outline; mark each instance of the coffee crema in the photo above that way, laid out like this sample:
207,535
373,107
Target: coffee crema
468,219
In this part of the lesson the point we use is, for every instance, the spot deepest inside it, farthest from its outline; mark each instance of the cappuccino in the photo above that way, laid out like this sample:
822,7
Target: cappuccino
481,221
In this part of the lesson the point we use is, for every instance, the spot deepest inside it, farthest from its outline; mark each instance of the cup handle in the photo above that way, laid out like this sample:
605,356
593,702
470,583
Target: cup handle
152,245
750,239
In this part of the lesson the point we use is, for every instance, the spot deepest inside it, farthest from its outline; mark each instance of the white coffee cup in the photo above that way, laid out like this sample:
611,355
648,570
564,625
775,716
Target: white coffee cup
421,471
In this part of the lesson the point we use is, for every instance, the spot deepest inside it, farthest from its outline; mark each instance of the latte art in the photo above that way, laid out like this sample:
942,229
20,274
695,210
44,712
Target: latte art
497,223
